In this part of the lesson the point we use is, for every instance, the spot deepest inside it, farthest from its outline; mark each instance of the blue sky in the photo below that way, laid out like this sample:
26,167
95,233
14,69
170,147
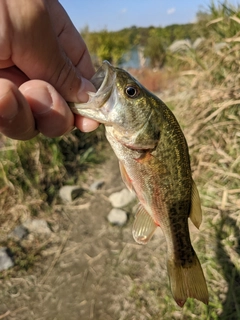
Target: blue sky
118,14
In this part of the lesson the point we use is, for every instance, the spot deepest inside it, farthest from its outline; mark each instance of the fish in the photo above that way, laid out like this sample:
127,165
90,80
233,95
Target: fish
154,164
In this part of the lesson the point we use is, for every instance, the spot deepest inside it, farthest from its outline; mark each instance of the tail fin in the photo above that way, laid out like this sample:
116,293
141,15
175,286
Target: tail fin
187,282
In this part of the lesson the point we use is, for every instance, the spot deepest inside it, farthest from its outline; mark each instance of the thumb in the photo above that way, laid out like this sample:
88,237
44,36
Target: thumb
38,53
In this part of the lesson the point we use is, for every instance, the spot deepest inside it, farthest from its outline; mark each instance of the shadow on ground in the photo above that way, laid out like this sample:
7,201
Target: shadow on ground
229,260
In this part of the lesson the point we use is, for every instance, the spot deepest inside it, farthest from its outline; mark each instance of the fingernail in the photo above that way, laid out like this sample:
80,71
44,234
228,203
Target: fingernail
8,106
41,100
86,86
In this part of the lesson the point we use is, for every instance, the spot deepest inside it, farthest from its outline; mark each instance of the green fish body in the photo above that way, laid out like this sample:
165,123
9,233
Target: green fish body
154,163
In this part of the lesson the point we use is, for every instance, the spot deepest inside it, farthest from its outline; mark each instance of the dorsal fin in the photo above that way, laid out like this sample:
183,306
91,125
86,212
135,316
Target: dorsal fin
196,211
143,227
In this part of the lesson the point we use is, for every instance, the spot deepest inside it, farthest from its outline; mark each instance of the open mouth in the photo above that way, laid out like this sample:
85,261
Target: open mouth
103,81
103,78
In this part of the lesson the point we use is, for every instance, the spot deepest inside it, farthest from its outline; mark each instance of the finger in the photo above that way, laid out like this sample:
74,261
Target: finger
16,119
39,54
71,40
13,74
51,112
85,124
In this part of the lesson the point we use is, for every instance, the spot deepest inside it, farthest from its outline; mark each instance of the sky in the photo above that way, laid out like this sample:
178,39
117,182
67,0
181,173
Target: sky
118,14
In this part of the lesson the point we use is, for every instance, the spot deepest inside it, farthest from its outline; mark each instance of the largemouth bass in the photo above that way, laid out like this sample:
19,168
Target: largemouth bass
154,163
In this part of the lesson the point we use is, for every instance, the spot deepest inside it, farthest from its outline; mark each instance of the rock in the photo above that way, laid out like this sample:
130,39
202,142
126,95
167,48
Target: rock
121,199
117,217
69,193
38,226
96,185
6,261
19,233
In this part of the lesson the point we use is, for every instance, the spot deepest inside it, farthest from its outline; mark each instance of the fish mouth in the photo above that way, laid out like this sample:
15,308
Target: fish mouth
103,78
103,81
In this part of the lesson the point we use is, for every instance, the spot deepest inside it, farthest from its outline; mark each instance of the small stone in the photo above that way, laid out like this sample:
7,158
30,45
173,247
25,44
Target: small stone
96,185
69,193
38,226
18,233
121,199
6,261
117,217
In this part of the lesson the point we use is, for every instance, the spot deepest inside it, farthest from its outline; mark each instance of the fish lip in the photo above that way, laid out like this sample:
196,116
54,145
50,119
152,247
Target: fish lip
103,78
100,78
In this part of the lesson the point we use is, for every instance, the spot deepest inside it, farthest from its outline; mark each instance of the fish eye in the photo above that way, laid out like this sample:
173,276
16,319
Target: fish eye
132,91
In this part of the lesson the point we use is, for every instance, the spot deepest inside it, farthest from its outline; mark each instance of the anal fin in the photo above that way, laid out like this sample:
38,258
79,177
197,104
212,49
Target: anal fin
196,211
143,227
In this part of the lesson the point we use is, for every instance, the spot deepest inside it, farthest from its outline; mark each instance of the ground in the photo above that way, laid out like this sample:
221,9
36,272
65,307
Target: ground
95,270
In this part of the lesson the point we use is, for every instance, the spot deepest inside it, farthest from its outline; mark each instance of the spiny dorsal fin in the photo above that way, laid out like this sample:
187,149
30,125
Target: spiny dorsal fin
143,227
196,211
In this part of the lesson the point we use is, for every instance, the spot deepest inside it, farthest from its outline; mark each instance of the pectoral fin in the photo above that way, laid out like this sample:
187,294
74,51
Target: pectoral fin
196,211
125,176
143,227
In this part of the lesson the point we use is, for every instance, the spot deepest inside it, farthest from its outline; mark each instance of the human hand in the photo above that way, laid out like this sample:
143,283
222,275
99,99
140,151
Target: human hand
44,62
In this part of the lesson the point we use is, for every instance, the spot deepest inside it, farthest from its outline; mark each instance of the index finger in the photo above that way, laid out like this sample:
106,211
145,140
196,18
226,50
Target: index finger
37,52
71,40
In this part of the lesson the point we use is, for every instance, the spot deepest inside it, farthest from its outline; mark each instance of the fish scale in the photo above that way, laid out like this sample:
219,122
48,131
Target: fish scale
154,163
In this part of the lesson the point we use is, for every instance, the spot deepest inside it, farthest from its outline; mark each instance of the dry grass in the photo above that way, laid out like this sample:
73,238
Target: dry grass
207,104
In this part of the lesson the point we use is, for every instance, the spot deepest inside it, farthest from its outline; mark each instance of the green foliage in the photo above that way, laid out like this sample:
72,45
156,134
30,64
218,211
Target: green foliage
178,32
155,49
36,169
220,21
106,45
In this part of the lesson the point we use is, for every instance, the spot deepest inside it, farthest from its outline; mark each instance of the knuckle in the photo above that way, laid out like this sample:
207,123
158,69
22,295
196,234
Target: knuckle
64,78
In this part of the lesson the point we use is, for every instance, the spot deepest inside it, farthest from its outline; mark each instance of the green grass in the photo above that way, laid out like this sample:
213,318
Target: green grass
32,172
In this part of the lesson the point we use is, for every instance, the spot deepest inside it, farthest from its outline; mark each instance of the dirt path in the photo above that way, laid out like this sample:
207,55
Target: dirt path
97,271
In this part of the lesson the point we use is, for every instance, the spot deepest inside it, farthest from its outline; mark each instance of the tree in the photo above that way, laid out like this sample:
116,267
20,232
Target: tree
155,49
